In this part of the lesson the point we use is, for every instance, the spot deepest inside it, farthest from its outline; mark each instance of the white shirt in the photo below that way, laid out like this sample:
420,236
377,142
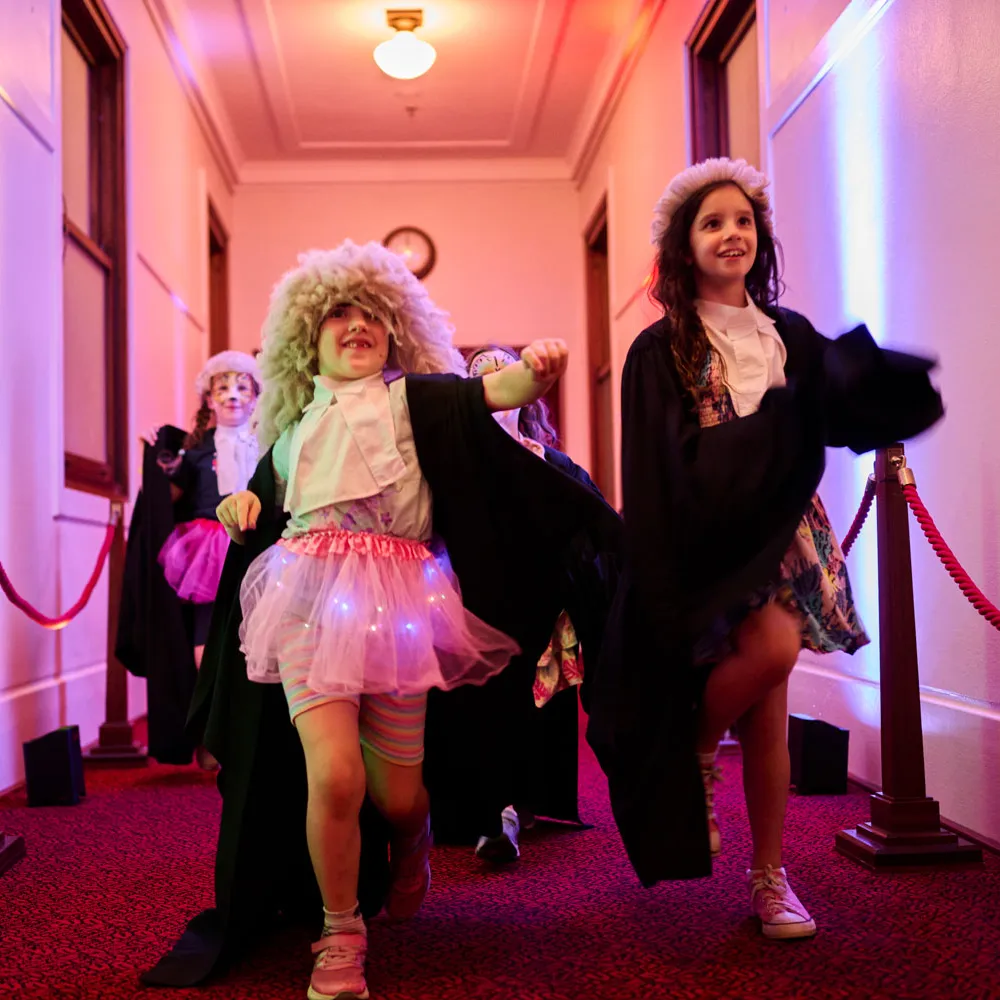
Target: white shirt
236,455
749,344
350,462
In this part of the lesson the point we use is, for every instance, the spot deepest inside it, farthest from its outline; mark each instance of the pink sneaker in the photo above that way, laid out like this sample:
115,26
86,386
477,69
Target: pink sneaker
339,972
410,871
709,776
781,913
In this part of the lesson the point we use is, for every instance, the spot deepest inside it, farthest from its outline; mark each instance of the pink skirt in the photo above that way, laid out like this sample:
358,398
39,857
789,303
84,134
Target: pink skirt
192,559
375,614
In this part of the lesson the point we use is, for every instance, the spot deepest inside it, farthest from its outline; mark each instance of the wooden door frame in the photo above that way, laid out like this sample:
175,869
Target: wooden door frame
218,310
720,28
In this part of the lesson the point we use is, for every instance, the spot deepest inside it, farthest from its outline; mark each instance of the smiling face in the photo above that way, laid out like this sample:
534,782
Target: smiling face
723,239
352,343
232,397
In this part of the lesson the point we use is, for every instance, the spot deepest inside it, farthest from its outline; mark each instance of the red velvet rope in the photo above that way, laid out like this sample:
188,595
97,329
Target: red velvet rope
976,597
859,519
63,620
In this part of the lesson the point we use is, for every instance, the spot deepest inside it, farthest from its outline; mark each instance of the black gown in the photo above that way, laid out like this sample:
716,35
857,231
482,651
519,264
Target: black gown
156,628
709,514
512,751
525,541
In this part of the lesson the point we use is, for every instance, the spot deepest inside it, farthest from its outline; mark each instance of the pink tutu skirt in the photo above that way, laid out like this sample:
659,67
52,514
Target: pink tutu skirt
372,614
192,559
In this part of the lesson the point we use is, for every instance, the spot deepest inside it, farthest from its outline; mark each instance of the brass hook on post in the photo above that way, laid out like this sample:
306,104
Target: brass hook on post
903,472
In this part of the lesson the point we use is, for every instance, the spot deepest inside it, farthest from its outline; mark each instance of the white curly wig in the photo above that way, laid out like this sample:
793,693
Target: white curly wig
226,361
369,276
688,182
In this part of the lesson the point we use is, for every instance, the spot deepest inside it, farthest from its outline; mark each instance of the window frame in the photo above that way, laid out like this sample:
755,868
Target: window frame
103,241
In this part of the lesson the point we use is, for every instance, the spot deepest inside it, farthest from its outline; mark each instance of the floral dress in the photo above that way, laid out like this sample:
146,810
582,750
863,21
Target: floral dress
813,574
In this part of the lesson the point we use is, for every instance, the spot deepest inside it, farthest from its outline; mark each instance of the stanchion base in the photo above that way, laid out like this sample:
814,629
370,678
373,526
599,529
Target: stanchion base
884,851
131,755
11,851
116,748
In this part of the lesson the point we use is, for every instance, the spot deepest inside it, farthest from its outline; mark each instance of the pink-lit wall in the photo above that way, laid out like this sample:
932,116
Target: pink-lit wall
885,187
509,258
884,175
50,536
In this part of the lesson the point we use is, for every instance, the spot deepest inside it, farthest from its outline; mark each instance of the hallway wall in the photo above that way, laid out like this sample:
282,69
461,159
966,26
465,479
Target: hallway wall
50,536
880,133
884,144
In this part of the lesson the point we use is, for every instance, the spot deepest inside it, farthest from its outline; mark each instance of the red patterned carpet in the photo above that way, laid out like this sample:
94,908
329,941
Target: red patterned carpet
109,884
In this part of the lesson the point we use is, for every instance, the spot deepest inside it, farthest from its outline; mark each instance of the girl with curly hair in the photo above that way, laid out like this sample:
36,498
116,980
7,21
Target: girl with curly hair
349,611
218,458
732,567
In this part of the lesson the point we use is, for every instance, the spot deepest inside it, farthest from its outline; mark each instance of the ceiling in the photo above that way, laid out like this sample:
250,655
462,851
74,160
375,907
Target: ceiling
293,81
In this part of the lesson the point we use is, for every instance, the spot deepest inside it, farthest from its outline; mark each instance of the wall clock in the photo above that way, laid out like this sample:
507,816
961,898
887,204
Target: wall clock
415,247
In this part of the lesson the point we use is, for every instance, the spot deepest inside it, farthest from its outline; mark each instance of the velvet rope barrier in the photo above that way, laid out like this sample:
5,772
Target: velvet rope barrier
859,519
955,570
62,620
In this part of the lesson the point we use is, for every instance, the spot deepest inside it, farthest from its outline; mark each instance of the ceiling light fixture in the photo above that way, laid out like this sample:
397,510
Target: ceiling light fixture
404,56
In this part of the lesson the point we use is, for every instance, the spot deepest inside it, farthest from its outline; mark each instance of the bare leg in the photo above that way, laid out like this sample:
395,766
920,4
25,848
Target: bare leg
398,792
766,772
336,778
199,652
767,646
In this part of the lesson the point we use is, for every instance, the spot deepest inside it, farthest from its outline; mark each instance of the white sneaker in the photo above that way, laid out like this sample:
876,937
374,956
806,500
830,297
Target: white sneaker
781,913
502,849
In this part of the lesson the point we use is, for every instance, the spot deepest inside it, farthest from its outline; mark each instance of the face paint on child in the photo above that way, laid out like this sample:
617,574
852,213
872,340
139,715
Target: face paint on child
232,397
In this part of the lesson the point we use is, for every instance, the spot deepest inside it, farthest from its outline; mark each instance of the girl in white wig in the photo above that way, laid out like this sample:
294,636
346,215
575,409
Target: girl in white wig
728,403
349,610
218,458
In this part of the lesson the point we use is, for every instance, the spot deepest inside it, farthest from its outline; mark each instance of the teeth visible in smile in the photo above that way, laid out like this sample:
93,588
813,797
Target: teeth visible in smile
731,253
357,343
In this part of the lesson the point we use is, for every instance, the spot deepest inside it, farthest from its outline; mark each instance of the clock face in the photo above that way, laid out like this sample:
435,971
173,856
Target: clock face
415,247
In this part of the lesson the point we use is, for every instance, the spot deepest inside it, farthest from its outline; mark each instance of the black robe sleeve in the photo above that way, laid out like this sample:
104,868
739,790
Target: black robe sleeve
526,540
709,514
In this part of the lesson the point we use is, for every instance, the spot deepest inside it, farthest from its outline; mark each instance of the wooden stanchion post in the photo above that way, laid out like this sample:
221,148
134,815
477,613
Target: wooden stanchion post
905,826
116,746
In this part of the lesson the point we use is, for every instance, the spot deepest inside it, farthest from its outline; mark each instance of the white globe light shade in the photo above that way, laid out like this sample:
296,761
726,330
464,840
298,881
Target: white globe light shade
404,56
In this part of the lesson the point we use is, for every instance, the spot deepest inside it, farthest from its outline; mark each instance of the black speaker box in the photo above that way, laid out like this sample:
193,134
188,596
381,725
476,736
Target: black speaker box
53,768
818,753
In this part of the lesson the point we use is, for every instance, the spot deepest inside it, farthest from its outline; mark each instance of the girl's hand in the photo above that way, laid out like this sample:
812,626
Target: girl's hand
238,513
510,388
150,436
547,360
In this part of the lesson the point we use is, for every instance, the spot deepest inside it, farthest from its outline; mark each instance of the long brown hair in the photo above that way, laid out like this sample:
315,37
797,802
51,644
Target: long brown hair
674,287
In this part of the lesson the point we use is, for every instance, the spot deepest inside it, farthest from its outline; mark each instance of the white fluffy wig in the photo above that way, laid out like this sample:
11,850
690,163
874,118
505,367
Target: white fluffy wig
688,182
369,276
226,361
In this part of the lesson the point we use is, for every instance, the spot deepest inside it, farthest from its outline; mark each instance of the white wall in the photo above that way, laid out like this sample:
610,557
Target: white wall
50,536
509,258
885,183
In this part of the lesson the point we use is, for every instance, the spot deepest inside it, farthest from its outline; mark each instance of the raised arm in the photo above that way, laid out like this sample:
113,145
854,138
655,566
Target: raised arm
542,363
